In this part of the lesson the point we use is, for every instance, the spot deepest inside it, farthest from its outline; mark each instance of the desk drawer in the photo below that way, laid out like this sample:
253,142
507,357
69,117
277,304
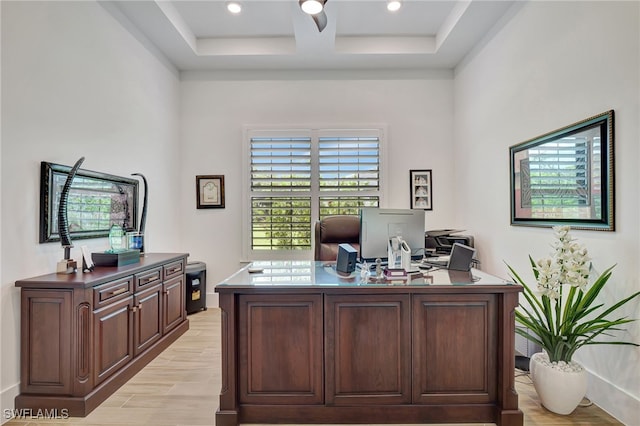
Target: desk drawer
147,278
173,269
112,291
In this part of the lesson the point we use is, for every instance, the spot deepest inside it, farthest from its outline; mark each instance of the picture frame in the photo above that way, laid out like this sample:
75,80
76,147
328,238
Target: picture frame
565,177
210,191
420,183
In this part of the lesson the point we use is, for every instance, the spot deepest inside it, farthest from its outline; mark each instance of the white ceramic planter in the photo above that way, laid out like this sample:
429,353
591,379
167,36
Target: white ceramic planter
559,391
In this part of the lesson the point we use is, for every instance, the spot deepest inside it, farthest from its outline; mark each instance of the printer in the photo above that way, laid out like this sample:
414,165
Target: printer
440,241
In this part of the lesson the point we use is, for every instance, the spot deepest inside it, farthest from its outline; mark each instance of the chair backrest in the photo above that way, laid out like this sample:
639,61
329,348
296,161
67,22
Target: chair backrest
334,230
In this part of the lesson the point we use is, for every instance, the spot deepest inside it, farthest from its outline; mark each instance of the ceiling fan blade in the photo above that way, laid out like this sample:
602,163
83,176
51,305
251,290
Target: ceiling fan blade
320,19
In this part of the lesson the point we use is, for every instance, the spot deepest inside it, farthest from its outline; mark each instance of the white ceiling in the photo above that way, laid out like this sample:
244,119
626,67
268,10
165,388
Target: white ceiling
276,34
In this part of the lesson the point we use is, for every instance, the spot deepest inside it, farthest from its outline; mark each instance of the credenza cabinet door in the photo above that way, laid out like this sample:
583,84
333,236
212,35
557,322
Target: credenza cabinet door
113,334
280,349
46,341
454,348
147,313
174,312
368,349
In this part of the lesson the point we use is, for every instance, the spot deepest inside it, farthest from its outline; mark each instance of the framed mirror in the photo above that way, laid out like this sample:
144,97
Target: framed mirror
96,201
566,177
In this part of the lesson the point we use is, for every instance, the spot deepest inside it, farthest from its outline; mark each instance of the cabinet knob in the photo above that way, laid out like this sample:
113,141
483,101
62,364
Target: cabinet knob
134,309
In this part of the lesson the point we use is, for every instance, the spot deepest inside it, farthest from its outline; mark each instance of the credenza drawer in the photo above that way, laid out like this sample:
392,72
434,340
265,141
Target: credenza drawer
173,269
147,278
112,291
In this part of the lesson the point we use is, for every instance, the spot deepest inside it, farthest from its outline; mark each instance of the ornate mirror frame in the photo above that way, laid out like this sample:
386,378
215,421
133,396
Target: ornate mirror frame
566,177
95,202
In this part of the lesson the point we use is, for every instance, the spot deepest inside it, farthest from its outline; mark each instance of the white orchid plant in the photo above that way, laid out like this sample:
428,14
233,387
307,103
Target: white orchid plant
561,315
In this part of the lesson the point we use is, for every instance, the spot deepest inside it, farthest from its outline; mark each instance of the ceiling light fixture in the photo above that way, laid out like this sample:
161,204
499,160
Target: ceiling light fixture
234,7
312,7
394,5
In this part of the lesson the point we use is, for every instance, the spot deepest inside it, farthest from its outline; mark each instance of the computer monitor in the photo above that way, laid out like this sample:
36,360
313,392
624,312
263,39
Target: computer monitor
378,225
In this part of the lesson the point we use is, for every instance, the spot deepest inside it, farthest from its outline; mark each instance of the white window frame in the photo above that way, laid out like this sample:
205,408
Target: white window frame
250,131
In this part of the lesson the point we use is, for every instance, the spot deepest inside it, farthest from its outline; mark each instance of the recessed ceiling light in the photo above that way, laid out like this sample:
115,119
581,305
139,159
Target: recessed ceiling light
312,7
393,5
234,7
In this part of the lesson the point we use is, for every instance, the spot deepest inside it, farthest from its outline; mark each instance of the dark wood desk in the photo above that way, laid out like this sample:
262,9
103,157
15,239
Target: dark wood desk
302,344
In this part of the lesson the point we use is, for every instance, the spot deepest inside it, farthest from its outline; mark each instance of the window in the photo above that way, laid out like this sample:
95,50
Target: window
349,174
298,176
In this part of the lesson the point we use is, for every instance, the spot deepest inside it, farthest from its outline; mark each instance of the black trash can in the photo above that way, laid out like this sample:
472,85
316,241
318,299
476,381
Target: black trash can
196,287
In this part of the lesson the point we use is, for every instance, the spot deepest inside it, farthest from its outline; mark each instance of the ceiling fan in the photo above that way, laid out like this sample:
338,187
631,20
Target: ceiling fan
315,8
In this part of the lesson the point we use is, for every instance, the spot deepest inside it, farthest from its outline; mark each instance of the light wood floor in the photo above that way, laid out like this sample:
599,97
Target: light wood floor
181,387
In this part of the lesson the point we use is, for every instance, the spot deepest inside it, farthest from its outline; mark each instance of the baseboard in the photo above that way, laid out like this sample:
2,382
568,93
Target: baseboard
615,401
7,398
212,300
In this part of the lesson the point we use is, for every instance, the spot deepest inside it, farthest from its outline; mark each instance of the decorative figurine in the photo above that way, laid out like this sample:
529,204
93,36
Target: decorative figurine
116,239
135,239
364,273
66,265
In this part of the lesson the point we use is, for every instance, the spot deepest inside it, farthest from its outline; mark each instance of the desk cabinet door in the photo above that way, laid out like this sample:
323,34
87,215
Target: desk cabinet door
368,349
454,348
280,349
113,334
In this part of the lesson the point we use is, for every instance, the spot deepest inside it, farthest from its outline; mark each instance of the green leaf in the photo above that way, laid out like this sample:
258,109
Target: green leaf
564,325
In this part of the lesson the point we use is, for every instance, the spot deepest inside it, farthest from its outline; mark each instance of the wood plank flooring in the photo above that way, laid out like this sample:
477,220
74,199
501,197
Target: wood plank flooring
181,387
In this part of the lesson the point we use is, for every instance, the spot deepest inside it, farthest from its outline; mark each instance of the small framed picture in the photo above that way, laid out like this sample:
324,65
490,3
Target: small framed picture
420,183
210,191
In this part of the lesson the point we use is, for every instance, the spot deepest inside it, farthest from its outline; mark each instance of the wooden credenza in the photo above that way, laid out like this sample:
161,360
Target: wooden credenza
301,344
84,335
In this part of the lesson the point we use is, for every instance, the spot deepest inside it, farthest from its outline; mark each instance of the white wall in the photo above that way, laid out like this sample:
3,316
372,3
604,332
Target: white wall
549,65
2,402
75,83
418,113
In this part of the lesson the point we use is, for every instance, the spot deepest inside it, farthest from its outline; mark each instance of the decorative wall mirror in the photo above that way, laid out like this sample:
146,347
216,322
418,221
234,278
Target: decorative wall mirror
96,201
566,177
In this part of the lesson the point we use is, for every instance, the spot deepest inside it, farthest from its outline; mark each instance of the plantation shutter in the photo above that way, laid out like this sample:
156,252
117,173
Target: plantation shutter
299,176
349,167
280,198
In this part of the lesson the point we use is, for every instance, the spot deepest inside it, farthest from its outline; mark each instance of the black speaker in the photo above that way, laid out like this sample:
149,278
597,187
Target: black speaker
346,261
